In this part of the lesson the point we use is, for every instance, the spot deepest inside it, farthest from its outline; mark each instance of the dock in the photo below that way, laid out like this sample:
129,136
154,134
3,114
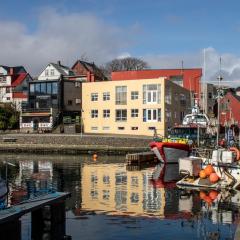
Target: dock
141,158
48,217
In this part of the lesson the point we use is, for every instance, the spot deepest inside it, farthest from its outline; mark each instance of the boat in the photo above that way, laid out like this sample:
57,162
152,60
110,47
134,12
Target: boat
170,151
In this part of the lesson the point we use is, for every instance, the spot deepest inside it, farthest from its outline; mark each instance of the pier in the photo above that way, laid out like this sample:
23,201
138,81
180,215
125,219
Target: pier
47,213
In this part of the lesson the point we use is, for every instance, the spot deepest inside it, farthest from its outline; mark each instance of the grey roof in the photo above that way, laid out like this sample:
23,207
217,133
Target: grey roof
16,69
61,69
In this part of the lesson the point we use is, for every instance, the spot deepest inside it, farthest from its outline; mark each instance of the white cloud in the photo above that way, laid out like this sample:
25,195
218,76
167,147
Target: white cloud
230,64
60,37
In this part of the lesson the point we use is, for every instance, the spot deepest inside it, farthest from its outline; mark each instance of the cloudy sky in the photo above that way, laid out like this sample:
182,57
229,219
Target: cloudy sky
164,33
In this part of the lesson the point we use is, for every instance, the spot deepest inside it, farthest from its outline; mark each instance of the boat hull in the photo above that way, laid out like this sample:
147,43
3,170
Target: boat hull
168,152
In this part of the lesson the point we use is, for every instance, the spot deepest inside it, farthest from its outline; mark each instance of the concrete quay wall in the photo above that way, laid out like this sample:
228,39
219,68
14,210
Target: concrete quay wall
72,144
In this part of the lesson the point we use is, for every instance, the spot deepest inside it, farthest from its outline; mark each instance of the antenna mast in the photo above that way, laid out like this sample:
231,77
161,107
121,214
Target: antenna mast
220,78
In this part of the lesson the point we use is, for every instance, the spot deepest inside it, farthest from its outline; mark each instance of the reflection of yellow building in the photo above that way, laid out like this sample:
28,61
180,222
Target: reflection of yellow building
112,189
135,107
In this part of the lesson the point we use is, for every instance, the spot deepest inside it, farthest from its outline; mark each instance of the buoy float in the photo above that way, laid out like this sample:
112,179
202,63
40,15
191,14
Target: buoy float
95,156
202,174
209,169
213,178
236,151
208,200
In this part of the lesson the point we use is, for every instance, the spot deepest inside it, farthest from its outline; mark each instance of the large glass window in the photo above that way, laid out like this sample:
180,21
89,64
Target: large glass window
151,93
152,115
43,88
37,88
121,115
49,88
54,88
32,88
121,95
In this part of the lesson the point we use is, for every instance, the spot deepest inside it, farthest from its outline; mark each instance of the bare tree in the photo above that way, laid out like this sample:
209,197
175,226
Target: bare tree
125,64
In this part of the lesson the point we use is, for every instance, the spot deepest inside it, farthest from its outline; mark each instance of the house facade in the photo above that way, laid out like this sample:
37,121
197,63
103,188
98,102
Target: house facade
51,97
135,107
13,85
187,78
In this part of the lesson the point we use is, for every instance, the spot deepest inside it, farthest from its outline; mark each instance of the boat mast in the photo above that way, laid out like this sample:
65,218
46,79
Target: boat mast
218,102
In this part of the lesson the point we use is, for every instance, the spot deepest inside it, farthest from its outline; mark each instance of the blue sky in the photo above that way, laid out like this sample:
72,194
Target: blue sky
162,32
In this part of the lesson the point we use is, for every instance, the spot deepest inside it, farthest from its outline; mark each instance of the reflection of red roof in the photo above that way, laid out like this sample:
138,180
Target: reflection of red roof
19,95
18,79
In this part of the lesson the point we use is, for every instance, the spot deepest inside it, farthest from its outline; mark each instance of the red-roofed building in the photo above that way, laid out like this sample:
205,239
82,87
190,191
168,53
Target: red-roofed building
13,85
187,78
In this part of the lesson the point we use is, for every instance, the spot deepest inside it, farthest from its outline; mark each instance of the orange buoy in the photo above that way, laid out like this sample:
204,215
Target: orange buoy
236,151
213,178
202,195
209,169
213,194
202,174
95,156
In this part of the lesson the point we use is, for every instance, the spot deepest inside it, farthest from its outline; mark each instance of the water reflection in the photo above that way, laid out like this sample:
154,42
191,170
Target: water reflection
108,196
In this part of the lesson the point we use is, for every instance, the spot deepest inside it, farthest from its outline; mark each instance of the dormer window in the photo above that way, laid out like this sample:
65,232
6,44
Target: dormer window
46,72
52,72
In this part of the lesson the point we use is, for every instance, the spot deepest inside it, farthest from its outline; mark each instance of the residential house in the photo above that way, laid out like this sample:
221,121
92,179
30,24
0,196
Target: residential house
135,107
88,72
55,95
13,85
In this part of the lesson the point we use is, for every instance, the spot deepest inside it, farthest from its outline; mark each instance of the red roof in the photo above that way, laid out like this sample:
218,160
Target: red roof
19,95
18,79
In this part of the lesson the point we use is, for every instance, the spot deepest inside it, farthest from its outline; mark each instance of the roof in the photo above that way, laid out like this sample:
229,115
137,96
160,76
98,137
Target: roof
16,69
62,69
18,79
19,95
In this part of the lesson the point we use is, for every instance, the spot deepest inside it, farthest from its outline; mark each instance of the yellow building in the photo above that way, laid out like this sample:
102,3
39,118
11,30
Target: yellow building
135,107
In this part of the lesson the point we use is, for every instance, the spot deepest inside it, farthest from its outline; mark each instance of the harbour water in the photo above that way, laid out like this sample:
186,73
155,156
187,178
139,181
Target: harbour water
112,201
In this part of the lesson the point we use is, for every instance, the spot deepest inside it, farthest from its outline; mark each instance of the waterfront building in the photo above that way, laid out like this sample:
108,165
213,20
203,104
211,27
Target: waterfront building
187,78
135,107
13,85
54,96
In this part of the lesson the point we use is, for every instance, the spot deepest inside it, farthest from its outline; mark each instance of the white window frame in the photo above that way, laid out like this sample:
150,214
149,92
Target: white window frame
121,118
151,93
46,72
106,96
94,113
94,97
77,100
106,113
52,72
134,113
134,95
152,115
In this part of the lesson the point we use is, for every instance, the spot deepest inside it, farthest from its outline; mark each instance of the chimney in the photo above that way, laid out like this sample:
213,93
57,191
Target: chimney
11,71
59,63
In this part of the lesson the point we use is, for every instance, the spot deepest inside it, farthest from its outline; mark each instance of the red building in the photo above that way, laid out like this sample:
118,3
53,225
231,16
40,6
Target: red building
229,109
187,78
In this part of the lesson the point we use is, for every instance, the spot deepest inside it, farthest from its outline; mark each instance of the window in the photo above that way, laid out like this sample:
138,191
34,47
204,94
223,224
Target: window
182,99
121,95
121,115
49,88
106,96
134,95
134,113
94,128
69,102
210,95
37,88
106,128
31,88
43,88
151,94
54,88
8,98
46,72
106,113
52,72
77,100
8,90
94,97
121,128
168,116
94,113
77,84
134,128
168,96
152,115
